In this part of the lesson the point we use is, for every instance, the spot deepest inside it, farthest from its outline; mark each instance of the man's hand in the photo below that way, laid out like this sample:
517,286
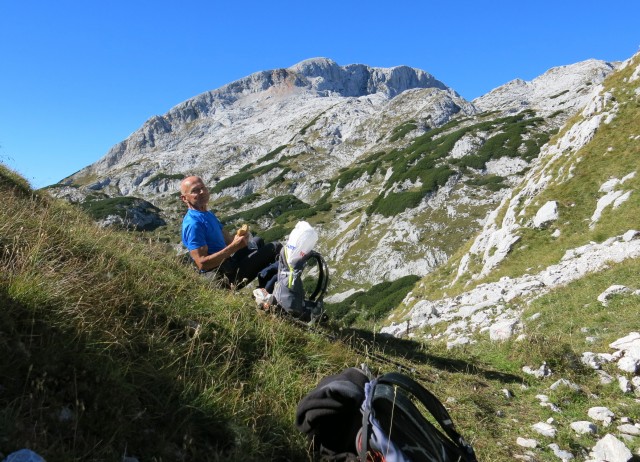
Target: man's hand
239,242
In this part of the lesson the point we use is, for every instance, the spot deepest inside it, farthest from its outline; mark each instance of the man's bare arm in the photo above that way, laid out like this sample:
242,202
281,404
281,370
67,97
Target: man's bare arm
208,262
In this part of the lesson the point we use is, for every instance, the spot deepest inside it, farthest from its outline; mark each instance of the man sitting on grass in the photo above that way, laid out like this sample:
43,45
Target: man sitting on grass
215,251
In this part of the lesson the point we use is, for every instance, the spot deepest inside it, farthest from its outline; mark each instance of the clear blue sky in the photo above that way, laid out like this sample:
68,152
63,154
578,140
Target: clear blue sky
77,77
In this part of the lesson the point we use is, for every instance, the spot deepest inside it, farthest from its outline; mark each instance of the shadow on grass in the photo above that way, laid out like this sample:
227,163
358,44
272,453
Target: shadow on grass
408,350
71,397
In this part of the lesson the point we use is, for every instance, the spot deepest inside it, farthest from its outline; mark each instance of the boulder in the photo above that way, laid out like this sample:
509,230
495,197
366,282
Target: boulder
546,215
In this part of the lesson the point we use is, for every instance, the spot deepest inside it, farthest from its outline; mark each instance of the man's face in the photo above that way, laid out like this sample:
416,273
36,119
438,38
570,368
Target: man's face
195,194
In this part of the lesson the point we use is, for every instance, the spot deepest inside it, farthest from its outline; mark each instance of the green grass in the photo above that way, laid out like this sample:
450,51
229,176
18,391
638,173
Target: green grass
153,363
102,324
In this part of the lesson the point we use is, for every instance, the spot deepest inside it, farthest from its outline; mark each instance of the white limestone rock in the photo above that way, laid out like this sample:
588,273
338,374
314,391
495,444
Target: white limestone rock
596,360
610,449
560,453
527,442
565,383
624,384
583,427
629,429
616,289
546,215
542,372
502,330
625,343
601,414
545,429
630,235
629,364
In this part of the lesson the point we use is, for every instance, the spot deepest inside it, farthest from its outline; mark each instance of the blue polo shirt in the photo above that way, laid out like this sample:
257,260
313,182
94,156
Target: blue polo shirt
200,229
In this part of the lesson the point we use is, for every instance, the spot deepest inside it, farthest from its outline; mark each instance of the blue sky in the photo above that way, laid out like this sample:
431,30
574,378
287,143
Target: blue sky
77,77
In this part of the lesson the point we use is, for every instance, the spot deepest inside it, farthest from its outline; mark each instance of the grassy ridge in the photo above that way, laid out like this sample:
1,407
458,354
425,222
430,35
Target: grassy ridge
110,346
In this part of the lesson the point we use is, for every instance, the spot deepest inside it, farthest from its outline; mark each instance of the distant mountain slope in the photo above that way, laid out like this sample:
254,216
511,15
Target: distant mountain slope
395,169
574,213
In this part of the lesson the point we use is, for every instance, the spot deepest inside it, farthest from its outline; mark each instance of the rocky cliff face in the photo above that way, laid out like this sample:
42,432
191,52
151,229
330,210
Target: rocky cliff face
395,169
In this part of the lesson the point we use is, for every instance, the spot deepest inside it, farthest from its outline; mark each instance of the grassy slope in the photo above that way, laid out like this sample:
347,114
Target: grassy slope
570,319
100,323
100,358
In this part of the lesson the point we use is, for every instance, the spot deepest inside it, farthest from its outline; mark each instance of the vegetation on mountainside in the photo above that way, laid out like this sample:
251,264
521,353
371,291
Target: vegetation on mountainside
401,131
266,158
243,176
613,153
423,165
164,176
371,305
111,347
100,207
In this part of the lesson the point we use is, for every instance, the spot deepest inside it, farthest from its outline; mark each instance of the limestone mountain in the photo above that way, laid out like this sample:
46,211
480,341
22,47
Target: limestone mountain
574,213
396,170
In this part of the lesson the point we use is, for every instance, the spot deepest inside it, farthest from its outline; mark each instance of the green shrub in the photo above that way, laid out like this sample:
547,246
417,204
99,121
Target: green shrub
266,158
241,177
373,304
271,209
401,131
491,182
102,208
164,176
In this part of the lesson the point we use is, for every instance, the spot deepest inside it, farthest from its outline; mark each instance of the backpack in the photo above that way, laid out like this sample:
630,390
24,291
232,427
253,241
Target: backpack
289,291
351,417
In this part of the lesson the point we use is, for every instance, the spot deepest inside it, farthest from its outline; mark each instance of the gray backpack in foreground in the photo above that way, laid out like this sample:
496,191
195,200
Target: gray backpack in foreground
289,289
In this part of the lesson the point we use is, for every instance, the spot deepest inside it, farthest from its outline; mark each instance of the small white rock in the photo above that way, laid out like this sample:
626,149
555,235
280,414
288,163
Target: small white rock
629,364
565,383
629,429
583,427
601,414
545,429
561,454
624,384
605,378
527,442
615,289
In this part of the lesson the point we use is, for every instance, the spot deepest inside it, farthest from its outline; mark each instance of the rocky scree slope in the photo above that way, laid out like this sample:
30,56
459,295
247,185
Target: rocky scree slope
395,169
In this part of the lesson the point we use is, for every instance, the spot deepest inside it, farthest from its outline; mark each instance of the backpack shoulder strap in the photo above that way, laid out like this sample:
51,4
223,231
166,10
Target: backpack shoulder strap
432,404
323,276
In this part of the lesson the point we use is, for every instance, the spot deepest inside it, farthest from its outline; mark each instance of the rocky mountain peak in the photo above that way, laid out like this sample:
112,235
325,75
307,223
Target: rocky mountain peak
354,80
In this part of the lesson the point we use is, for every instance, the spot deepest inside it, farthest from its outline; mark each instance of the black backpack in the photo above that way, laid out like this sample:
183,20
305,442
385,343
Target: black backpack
289,290
349,417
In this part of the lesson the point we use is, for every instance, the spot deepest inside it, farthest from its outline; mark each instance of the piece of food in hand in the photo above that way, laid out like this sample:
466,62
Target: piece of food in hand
244,229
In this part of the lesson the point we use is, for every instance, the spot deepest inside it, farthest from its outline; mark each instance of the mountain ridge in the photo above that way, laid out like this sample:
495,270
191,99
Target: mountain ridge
373,170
